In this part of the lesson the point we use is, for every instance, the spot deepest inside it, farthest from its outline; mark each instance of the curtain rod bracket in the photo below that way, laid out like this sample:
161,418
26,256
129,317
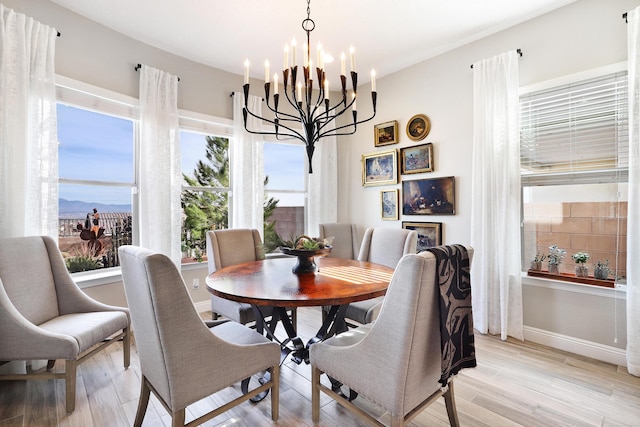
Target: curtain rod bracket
138,66
518,51
624,16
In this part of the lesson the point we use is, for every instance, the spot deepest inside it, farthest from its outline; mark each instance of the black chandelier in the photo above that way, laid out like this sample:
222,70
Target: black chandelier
313,114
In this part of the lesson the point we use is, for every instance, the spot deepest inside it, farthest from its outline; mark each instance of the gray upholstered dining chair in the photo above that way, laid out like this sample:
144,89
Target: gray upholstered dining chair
384,246
183,360
231,247
44,315
398,361
345,243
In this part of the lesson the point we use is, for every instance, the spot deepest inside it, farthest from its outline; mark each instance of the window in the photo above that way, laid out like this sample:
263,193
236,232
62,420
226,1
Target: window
284,169
205,197
96,137
574,157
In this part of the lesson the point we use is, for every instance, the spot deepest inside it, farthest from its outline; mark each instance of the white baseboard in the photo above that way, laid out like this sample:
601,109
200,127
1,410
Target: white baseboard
203,306
579,346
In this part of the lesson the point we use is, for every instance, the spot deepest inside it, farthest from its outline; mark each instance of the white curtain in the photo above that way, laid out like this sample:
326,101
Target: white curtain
323,186
495,198
160,174
633,214
28,140
247,167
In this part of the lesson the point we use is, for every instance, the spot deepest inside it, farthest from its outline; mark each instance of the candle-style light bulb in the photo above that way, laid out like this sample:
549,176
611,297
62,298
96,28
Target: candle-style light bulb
326,89
305,55
293,53
299,92
343,67
275,83
319,54
266,71
246,71
286,57
373,80
352,55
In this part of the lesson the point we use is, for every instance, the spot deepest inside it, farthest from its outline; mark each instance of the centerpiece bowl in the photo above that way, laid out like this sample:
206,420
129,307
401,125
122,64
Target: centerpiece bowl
306,263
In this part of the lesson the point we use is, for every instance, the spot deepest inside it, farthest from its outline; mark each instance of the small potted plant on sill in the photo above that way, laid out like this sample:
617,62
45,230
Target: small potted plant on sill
601,270
581,258
556,255
536,264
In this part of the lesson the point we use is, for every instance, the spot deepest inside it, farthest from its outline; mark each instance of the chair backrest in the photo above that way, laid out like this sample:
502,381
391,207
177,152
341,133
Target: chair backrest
27,274
233,246
387,245
345,243
164,320
409,327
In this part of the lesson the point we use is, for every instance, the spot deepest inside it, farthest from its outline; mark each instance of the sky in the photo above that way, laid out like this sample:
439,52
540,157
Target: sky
94,146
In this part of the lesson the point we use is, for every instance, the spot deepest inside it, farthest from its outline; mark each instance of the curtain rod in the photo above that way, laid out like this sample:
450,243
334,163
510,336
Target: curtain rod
138,66
519,51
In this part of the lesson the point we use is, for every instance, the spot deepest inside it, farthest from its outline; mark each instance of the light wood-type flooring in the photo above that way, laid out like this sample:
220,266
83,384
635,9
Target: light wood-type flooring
515,384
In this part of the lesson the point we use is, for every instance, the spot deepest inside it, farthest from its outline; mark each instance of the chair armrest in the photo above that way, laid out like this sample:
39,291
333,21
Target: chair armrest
71,299
22,340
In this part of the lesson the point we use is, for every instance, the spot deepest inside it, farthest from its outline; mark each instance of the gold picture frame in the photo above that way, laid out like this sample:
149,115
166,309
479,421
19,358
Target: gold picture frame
389,204
418,127
380,168
416,159
385,133
429,233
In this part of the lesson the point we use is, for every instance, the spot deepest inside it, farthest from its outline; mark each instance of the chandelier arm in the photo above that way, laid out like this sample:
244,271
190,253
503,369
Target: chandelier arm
279,136
330,118
294,133
329,132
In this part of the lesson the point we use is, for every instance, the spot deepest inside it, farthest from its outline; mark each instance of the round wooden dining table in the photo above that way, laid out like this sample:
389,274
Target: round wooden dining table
271,282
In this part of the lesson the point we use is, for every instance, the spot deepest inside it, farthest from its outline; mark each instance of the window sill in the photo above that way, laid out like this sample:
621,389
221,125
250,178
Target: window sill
619,291
609,283
107,276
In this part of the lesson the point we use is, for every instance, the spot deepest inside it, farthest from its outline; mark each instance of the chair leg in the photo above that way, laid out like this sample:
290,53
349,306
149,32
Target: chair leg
143,402
70,384
214,315
50,364
450,402
126,347
294,318
315,394
275,393
177,418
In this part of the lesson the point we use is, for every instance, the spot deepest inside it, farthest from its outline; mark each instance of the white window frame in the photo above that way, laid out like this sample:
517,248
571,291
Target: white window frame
561,178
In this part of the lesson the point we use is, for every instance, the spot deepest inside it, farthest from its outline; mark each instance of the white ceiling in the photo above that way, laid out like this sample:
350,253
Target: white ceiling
387,35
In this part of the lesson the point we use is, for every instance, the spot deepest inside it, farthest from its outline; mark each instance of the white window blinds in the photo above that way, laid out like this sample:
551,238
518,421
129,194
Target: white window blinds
579,130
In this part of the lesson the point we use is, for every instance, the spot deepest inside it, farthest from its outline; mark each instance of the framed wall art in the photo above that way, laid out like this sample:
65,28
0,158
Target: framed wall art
416,159
429,233
389,204
418,127
380,168
435,196
386,133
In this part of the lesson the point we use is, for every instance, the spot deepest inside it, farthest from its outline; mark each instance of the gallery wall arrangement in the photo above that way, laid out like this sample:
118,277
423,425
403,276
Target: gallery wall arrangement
416,197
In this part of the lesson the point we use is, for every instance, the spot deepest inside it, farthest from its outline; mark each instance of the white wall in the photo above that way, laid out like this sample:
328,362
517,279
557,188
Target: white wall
581,36
578,37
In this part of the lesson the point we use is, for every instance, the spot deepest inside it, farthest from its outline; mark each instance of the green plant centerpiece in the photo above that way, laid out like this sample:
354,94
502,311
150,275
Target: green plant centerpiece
601,270
556,255
581,258
305,248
